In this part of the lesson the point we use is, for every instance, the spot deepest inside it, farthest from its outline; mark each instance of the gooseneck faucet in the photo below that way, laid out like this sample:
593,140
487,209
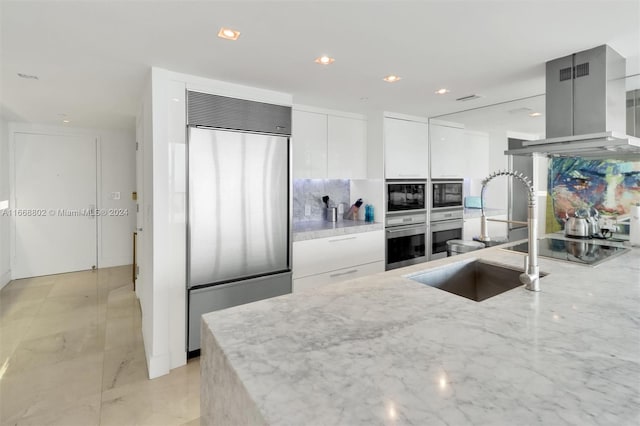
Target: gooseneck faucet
531,276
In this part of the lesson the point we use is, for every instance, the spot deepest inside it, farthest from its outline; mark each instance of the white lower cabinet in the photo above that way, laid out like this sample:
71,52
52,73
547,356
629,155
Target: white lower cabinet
471,227
326,260
313,281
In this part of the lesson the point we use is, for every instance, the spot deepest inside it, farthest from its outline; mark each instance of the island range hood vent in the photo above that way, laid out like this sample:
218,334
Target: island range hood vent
585,108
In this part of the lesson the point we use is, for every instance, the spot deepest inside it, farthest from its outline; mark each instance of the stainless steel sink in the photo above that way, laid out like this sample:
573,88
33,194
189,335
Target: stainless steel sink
474,279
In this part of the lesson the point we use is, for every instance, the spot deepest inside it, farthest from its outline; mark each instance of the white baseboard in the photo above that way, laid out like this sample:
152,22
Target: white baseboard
5,278
157,365
115,261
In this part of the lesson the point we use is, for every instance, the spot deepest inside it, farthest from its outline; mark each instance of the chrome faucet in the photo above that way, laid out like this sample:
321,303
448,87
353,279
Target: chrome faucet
531,276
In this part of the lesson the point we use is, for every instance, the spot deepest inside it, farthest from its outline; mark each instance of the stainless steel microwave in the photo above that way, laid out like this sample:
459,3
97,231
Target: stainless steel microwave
446,194
406,195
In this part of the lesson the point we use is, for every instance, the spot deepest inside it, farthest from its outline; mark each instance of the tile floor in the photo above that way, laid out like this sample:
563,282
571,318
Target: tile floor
71,353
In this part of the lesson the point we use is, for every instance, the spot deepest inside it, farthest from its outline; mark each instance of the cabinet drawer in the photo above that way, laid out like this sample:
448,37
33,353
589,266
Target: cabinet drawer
319,280
321,255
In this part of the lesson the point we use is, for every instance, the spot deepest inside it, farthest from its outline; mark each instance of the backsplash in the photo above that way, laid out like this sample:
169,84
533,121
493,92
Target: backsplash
310,192
609,186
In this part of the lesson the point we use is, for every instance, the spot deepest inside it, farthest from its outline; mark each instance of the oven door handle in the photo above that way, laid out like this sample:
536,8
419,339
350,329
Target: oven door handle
407,228
446,225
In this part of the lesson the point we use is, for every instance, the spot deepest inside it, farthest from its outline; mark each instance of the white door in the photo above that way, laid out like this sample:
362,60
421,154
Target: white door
55,188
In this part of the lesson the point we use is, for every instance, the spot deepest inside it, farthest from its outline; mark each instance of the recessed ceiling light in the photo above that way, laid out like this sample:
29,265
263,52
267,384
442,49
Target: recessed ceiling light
228,33
28,76
176,99
442,91
66,121
535,114
324,60
392,78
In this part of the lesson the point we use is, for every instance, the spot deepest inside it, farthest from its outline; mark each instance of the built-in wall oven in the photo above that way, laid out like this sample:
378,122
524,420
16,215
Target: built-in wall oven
445,226
446,194
446,215
406,242
406,223
406,196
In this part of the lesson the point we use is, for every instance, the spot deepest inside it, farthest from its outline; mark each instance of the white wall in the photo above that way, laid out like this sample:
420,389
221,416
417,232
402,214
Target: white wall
116,173
5,268
144,283
497,192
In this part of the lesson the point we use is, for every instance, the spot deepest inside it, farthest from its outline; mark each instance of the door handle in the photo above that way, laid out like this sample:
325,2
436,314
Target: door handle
342,239
339,274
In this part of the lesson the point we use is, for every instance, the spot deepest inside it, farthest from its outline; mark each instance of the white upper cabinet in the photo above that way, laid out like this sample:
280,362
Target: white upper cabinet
347,148
448,157
406,148
328,145
309,145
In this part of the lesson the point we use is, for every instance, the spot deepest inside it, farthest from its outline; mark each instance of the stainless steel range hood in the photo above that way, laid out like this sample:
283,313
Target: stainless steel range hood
585,108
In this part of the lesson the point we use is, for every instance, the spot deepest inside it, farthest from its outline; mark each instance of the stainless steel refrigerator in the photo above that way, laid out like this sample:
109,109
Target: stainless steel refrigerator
518,196
239,227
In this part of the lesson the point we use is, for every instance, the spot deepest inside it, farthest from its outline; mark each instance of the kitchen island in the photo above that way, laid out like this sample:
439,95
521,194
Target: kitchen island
384,349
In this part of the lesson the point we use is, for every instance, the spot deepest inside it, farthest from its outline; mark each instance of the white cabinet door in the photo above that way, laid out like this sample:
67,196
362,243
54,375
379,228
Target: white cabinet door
313,281
471,228
406,149
347,148
448,159
476,152
309,145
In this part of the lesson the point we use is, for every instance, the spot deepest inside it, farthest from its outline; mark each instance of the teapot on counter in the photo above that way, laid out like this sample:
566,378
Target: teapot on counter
577,226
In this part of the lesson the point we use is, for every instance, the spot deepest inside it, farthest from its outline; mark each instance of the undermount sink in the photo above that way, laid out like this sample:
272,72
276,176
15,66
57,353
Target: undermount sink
474,279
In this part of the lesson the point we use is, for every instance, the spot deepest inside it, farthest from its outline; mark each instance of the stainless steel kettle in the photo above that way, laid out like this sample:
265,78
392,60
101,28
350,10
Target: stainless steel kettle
594,225
576,227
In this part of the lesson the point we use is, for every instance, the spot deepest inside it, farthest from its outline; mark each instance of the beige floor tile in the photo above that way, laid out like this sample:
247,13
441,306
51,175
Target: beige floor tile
122,303
170,400
82,412
84,286
72,353
53,305
47,389
123,366
11,334
88,316
17,309
15,294
56,348
46,280
125,332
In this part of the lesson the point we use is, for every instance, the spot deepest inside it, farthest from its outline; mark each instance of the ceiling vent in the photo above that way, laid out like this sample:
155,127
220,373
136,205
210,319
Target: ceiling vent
469,98
28,76
523,110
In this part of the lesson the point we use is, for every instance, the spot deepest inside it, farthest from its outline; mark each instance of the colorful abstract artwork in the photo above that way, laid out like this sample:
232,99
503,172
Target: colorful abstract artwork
577,184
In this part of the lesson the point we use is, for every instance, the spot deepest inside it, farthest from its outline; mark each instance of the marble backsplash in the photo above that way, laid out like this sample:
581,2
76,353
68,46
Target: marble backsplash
309,192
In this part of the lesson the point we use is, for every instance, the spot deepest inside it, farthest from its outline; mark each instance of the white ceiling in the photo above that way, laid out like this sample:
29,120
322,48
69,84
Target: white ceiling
92,57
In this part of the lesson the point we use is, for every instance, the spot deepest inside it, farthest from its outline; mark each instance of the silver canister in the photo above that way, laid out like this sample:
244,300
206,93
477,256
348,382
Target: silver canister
331,214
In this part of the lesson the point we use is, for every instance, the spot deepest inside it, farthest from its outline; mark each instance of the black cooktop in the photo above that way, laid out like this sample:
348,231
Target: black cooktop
578,251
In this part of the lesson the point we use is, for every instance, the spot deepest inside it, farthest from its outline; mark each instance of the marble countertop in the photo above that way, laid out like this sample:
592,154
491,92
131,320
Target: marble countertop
321,228
385,350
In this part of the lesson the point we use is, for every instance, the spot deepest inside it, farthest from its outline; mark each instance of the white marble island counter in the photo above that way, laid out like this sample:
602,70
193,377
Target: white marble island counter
386,350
